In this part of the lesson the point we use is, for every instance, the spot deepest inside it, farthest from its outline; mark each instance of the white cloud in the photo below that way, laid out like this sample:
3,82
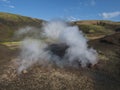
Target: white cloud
110,14
7,3
71,18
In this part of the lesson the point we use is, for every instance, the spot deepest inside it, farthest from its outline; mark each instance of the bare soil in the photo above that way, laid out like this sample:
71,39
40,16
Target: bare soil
104,76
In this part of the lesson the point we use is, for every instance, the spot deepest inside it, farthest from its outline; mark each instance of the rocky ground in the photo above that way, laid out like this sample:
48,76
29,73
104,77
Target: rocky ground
103,76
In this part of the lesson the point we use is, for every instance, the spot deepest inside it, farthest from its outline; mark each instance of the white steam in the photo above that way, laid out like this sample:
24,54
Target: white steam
34,50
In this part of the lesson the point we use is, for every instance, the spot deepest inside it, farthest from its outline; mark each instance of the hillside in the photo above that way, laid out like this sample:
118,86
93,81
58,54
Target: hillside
98,27
105,75
9,23
12,22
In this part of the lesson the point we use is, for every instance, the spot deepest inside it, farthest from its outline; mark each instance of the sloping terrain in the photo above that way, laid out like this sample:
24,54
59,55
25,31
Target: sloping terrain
104,76
109,51
9,23
98,27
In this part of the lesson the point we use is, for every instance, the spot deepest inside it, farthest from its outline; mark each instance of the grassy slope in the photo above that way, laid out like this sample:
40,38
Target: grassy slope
11,22
97,27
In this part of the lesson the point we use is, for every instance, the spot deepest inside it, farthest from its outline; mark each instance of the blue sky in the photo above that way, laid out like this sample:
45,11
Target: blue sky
65,9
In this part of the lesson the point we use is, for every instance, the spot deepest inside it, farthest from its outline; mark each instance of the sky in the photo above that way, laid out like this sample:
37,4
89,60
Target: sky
64,9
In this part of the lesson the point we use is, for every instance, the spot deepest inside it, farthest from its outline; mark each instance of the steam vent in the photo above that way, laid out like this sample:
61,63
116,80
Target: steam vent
60,50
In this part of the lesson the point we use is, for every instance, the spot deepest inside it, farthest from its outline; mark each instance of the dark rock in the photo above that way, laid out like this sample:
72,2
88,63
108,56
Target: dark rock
58,49
111,39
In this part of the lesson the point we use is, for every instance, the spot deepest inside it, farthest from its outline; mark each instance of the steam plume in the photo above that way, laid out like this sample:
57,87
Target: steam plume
38,50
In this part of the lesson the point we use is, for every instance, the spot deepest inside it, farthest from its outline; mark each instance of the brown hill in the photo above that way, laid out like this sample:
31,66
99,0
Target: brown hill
98,27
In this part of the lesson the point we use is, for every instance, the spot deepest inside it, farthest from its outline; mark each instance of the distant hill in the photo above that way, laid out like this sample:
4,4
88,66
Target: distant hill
9,23
97,27
12,22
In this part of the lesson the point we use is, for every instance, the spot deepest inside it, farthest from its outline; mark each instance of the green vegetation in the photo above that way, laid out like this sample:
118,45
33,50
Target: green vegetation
13,19
90,29
9,23
11,45
97,27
